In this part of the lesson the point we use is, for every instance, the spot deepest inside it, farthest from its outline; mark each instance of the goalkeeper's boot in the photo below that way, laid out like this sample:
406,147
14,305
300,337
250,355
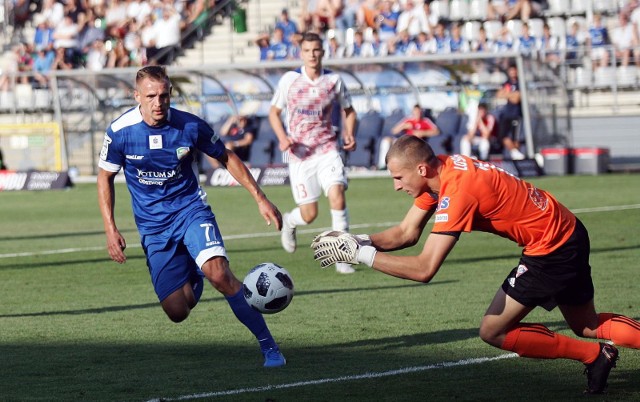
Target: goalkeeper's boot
598,371
288,235
274,358
344,268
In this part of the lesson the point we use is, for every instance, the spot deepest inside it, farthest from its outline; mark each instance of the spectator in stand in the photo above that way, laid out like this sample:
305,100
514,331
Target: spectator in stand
349,14
624,39
43,35
457,44
333,49
294,48
88,32
25,61
53,12
403,45
526,43
288,26
148,38
237,134
480,134
412,19
416,124
548,46
504,42
326,13
308,9
367,14
387,21
510,114
263,46
279,49
138,9
355,49
65,37
514,9
42,66
167,35
422,44
597,42
376,47
441,39
73,8
137,52
60,62
482,43
573,42
96,56
116,14
118,56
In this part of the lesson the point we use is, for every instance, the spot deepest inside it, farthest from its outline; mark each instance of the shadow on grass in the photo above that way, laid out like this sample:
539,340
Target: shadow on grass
351,371
299,294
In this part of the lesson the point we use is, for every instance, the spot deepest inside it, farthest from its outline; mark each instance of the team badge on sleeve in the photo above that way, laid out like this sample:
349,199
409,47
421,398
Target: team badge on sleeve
105,147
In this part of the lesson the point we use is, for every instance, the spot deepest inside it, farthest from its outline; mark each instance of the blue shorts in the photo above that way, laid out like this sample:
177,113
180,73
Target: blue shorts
174,256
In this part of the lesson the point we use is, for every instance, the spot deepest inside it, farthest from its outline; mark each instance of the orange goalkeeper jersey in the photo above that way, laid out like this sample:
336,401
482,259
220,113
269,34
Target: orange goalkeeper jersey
476,195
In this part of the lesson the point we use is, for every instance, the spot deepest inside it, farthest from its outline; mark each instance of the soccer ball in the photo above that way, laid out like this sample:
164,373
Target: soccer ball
268,288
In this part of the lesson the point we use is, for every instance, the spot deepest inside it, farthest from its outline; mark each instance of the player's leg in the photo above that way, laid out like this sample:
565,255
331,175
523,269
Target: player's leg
585,322
205,245
334,183
176,279
306,191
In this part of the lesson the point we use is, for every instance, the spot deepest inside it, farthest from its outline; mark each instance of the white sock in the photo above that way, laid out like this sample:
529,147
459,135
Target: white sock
295,218
340,219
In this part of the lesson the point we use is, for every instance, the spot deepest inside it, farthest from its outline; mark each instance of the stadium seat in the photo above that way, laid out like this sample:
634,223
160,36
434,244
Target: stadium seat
604,76
515,27
536,27
390,121
471,30
558,7
264,145
478,9
579,6
558,27
492,28
24,96
582,77
626,76
448,122
458,10
367,137
605,6
440,8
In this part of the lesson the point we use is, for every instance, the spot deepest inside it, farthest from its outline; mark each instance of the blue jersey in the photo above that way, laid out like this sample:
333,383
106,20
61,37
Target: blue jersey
159,165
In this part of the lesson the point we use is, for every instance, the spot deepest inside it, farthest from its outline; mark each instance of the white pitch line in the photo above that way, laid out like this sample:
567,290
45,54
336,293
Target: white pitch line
365,376
273,234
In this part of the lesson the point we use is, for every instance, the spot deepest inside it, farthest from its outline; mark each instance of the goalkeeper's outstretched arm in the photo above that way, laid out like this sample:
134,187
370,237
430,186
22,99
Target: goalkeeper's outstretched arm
405,234
420,268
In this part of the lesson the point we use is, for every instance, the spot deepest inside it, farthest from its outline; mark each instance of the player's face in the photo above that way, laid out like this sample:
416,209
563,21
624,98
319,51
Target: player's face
154,97
407,177
311,54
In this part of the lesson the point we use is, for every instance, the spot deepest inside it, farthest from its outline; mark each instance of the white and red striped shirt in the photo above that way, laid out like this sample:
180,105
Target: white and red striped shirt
308,104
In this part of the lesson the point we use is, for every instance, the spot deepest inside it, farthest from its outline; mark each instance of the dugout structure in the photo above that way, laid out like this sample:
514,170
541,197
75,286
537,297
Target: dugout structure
84,102
32,146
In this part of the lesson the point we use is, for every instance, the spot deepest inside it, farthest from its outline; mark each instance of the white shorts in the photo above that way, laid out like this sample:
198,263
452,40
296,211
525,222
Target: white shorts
315,175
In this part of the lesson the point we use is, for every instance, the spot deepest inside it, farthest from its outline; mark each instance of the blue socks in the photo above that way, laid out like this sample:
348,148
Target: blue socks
251,319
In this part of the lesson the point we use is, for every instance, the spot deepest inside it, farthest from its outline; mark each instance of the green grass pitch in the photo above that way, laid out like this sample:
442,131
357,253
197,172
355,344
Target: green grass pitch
75,326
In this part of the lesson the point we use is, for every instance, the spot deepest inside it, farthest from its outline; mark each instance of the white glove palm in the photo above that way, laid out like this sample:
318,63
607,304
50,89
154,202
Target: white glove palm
334,246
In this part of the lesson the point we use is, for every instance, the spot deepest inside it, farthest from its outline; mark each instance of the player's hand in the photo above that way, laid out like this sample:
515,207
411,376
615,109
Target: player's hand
345,247
116,246
270,213
349,143
285,144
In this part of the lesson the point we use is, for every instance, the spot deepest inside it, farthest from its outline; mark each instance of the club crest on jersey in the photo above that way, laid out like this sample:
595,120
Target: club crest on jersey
155,142
538,198
519,272
444,203
182,152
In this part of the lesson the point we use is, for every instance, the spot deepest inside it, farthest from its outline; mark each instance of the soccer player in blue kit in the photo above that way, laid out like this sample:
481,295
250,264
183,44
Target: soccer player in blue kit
155,145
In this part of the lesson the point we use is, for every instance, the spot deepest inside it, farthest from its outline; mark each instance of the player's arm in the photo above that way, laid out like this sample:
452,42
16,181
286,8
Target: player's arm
106,201
420,268
431,132
278,128
348,135
241,173
400,127
405,234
